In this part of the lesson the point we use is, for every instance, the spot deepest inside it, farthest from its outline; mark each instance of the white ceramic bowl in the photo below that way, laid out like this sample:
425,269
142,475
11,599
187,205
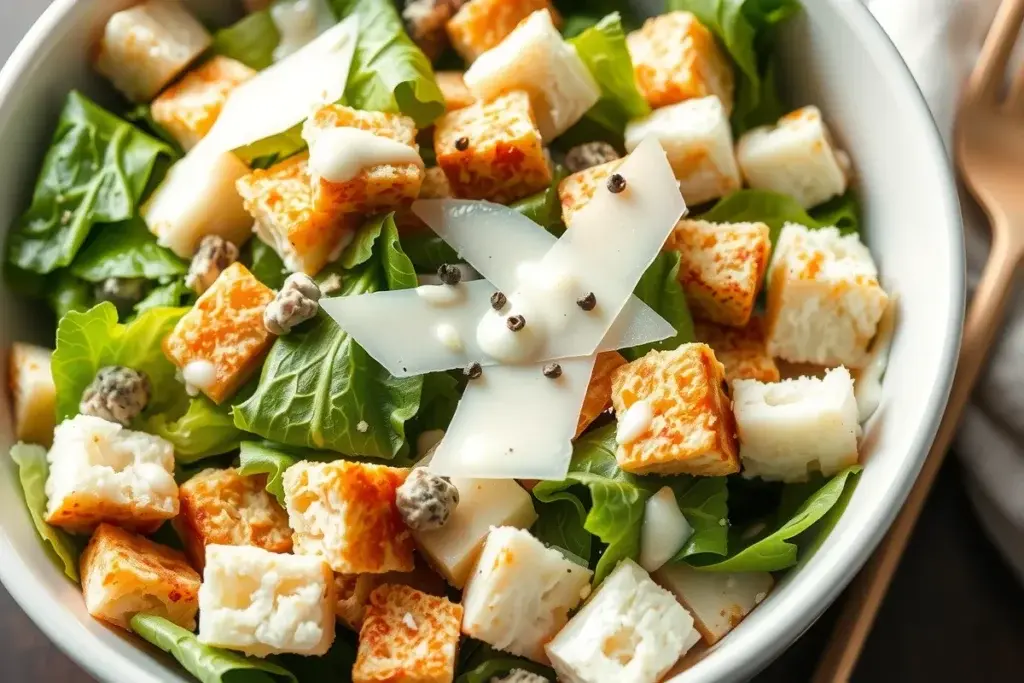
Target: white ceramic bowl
835,56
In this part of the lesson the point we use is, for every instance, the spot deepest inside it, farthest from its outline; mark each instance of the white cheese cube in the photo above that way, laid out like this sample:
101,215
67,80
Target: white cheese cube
631,631
483,503
144,47
198,198
33,393
824,300
790,428
521,593
718,601
102,472
263,603
698,141
795,157
664,531
535,59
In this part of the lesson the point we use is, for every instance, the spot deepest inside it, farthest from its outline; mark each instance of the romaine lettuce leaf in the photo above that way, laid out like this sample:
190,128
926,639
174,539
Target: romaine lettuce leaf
142,116
544,208
264,263
775,210
660,289
259,458
127,249
206,663
579,15
559,525
206,429
842,211
340,658
361,248
389,72
65,293
96,171
501,666
251,40
32,473
171,295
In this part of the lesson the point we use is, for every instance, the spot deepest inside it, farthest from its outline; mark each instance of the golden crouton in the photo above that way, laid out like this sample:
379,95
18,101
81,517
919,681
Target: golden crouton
352,591
33,393
576,190
189,108
692,430
407,637
675,58
225,328
124,574
742,350
224,508
280,198
435,186
721,267
479,25
599,392
379,188
493,150
345,512
456,94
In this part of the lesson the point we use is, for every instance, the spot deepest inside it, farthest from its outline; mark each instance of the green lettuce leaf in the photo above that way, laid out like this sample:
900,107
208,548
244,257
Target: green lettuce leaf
206,429
65,292
126,250
389,72
427,251
142,116
842,211
32,473
206,663
559,525
480,663
91,340
264,263
659,288
361,249
171,295
340,658
579,15
251,40
259,458
772,549
544,208
96,171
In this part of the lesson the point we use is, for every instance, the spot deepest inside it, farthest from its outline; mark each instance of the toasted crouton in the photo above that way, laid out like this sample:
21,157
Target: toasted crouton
493,150
345,512
742,350
480,25
378,188
676,58
222,507
721,267
102,472
224,328
407,637
435,186
453,87
577,189
144,47
824,300
189,108
599,392
352,591
124,574
33,393
690,429
280,198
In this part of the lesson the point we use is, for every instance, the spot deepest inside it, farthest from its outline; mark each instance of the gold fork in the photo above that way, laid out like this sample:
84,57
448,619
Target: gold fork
990,155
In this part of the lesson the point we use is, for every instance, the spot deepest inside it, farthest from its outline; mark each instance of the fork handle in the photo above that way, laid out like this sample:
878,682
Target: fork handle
868,589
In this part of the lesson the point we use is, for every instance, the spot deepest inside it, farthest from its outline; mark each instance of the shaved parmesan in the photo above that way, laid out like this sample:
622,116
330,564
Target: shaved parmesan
664,531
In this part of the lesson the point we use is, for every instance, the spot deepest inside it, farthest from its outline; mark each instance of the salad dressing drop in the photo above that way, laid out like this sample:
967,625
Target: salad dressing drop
340,154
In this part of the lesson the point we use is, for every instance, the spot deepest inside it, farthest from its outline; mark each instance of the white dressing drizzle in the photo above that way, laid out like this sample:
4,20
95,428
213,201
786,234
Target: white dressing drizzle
340,154
441,295
634,423
298,22
868,386
449,337
198,375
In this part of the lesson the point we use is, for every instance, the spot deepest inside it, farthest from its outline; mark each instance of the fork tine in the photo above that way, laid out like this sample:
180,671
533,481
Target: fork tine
988,74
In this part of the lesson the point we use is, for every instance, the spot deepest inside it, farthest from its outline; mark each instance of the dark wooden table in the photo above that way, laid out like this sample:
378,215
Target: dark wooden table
955,613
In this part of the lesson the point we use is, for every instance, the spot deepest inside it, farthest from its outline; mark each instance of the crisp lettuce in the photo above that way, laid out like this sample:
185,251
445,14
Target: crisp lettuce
660,289
251,40
206,429
842,211
32,473
171,295
775,210
65,293
127,250
480,663
579,15
559,525
264,263
96,171
259,458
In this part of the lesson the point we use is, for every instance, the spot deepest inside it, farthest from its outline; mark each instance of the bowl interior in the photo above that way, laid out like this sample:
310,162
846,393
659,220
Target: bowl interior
835,56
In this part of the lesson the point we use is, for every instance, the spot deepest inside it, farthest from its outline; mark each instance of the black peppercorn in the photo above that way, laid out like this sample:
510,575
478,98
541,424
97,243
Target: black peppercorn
515,322
462,144
616,183
473,370
553,370
449,274
498,301
587,302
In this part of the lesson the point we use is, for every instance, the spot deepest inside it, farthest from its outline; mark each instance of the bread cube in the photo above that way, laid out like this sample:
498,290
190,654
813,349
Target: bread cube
32,392
492,150
521,592
742,351
124,574
352,591
674,415
796,157
263,603
102,472
144,47
453,87
676,58
188,109
824,300
280,199
483,503
480,25
225,328
407,637
599,392
197,198
345,513
631,630
697,138
221,507
717,601
577,189
381,187
534,59
791,428
435,186
721,267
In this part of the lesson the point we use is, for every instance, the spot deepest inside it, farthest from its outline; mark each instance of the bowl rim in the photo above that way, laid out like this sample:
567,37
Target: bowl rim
821,586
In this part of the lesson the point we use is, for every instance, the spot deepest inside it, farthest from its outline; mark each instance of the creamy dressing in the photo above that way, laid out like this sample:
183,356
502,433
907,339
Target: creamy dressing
634,423
441,295
469,274
868,387
497,340
664,530
298,22
198,375
338,155
449,337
